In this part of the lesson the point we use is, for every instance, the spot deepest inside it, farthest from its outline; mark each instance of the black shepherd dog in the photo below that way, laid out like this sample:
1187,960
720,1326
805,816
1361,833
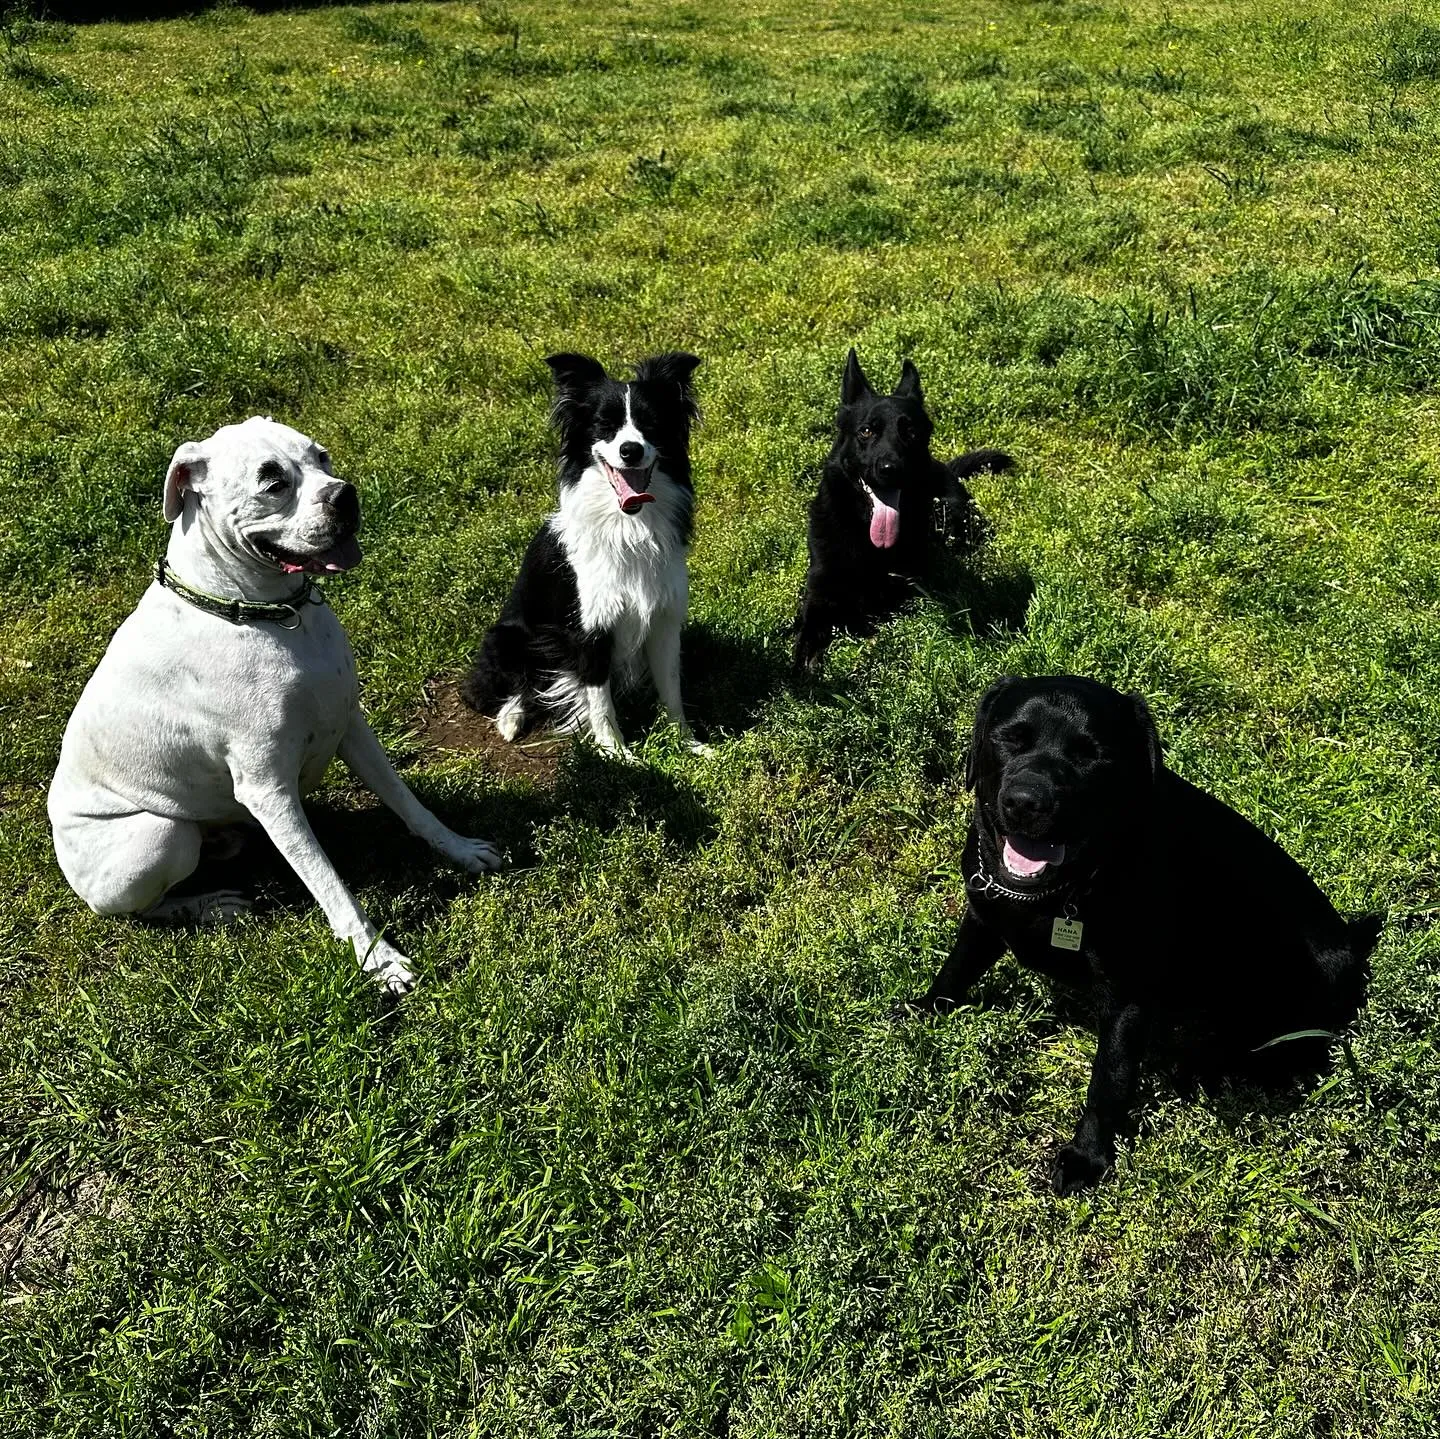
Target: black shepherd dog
871,523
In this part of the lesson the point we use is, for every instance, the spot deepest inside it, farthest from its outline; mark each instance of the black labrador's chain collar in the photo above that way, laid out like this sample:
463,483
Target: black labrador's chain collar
982,882
286,614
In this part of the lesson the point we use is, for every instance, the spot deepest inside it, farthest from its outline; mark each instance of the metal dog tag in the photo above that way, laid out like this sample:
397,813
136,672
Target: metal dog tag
1065,933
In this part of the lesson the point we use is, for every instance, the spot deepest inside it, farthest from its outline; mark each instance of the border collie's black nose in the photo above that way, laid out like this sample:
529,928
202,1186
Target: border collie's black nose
631,453
343,500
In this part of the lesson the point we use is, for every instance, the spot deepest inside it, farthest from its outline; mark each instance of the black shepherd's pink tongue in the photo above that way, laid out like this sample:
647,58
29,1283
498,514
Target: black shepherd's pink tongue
345,556
884,523
1025,858
624,482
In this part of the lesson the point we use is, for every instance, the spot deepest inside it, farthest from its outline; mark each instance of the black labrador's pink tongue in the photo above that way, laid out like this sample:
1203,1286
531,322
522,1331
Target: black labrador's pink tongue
630,498
884,523
1025,858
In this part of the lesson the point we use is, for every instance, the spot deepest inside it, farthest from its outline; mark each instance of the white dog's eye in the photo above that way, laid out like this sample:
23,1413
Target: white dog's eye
273,479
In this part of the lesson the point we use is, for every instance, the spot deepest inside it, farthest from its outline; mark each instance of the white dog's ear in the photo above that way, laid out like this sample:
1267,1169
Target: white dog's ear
186,468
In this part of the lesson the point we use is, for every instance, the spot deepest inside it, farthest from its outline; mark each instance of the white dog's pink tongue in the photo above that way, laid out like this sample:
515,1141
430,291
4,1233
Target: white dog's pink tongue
884,523
1025,858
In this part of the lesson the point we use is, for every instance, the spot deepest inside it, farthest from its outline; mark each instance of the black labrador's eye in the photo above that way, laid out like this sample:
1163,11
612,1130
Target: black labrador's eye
1015,738
1082,750
867,432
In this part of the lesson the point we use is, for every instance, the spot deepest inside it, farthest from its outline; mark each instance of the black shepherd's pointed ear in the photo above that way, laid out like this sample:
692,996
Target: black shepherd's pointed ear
574,372
676,367
1153,751
909,386
854,386
982,728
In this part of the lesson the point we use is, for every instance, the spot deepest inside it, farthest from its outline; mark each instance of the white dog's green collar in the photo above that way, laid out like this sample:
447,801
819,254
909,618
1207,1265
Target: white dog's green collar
286,613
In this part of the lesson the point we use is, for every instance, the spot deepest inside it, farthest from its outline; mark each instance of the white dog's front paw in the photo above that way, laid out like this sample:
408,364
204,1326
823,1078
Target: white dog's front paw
385,963
475,855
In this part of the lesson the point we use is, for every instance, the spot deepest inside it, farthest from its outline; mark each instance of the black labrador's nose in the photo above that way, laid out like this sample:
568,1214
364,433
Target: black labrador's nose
1026,807
343,501
888,470
631,453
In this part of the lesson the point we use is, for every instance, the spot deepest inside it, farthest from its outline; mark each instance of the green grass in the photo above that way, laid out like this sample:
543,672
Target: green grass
642,1155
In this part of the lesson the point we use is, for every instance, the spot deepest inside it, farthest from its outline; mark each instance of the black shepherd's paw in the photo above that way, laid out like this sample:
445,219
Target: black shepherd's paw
1076,1170
926,1006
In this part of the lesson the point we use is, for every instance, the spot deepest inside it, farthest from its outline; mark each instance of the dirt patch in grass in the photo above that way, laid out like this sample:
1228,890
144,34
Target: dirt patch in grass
446,722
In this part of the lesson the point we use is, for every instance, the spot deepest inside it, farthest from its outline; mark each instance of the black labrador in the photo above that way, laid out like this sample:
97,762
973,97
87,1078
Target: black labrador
1094,864
873,519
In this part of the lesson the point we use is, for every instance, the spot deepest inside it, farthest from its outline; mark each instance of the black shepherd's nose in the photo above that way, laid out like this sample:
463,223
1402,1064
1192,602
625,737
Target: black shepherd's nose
631,453
343,501
1025,806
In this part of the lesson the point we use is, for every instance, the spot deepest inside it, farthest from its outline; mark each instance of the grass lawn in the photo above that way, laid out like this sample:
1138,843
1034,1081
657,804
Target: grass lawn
642,1155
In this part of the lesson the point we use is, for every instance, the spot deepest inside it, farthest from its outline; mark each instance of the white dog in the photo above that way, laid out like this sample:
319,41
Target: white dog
226,694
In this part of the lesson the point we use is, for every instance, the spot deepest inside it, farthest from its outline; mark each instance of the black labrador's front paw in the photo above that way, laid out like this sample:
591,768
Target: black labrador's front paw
1075,1170
925,1006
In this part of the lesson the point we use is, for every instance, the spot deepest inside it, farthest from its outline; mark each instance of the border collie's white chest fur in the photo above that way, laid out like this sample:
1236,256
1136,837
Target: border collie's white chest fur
629,569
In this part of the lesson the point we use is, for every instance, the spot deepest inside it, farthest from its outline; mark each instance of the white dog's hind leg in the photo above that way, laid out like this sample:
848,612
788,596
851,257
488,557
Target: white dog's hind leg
604,722
662,653
123,864
365,755
282,817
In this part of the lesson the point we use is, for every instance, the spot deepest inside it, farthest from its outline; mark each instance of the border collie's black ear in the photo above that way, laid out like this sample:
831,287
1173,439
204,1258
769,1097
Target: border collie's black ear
676,367
1146,722
572,372
909,385
854,386
982,724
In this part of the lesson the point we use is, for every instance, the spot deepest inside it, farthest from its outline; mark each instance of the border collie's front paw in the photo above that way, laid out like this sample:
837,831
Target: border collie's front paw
1075,1170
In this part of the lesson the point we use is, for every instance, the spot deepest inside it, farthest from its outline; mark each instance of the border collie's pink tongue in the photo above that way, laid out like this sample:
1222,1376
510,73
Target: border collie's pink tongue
1025,858
884,523
345,556
624,482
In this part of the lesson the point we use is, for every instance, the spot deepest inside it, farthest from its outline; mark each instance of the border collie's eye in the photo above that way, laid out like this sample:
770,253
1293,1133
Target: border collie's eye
322,458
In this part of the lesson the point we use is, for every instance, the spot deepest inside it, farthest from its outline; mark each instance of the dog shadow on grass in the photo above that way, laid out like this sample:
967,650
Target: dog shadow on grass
981,598
729,679
372,849
1241,1087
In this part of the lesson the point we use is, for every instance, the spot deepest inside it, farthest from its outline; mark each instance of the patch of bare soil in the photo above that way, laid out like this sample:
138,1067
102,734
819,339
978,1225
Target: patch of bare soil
35,1229
446,722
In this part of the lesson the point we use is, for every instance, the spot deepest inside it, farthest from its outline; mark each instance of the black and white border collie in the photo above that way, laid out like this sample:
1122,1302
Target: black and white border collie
873,518
605,579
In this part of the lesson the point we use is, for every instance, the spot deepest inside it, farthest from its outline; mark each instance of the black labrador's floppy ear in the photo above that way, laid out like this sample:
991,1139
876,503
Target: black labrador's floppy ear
1151,736
981,728
909,386
854,386
187,469
674,367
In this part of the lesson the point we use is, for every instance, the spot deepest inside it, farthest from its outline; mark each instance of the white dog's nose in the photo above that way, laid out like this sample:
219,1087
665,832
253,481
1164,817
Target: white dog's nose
343,499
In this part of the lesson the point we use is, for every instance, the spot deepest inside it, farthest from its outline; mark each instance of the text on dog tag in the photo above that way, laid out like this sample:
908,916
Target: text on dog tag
1065,933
